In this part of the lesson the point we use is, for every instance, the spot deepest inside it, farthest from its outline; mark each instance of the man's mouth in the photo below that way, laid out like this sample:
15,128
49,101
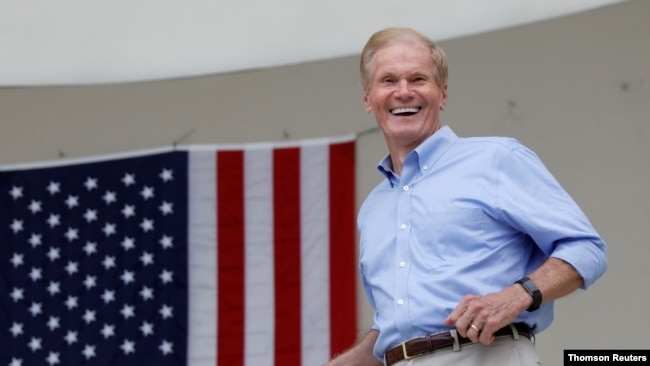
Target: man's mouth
405,111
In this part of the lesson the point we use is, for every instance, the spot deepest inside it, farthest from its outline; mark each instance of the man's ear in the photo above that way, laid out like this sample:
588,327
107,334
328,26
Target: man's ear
366,102
443,97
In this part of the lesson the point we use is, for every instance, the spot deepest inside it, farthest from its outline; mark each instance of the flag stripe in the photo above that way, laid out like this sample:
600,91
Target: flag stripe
202,337
342,247
230,258
315,254
286,199
259,290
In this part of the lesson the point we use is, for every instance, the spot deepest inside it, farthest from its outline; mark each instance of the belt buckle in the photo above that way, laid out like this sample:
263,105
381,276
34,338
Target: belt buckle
406,355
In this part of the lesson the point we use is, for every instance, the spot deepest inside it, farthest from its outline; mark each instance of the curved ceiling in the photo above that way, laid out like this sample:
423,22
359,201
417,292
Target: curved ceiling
83,42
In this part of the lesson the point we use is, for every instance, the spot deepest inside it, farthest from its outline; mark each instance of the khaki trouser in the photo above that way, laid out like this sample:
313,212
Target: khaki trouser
504,351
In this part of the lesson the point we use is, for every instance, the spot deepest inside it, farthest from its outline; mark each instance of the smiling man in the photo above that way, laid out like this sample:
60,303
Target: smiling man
467,241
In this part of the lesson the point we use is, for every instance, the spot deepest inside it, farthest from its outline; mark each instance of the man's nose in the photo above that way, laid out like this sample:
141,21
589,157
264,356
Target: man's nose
404,88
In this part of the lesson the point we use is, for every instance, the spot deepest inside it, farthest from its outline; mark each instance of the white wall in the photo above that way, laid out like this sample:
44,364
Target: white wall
575,89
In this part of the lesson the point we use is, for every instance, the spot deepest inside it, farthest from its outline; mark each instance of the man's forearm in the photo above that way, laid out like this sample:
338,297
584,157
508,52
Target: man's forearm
361,354
555,279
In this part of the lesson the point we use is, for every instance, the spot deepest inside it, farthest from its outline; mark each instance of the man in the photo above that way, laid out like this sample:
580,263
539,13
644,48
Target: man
467,242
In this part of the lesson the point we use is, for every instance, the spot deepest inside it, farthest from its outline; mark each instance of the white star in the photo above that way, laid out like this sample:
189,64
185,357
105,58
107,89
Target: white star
72,268
128,179
108,262
166,276
89,351
108,296
16,329
146,293
35,240
90,282
109,229
147,192
34,344
71,337
54,220
53,358
35,308
146,328
54,187
16,226
166,242
54,288
90,183
54,254
108,330
90,215
128,243
71,302
167,175
16,362
35,274
109,197
72,234
128,347
16,192
166,347
53,323
72,201
146,224
90,248
166,208
128,211
89,316
127,277
17,294
17,259
35,206
146,259
166,311
128,311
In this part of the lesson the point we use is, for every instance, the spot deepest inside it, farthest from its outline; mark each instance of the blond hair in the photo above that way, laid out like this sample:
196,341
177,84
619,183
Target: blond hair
393,35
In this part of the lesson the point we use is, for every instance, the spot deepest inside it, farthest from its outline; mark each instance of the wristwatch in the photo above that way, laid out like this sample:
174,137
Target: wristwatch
534,292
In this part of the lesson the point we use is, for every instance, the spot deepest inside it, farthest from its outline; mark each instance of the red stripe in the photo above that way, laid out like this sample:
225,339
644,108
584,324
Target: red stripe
343,265
230,262
286,210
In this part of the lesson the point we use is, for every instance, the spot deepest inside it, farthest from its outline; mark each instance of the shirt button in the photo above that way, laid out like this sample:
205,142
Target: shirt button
400,302
403,226
402,264
425,167
406,188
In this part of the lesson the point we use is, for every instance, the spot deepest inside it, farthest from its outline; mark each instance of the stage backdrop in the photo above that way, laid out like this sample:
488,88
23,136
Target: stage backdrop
226,255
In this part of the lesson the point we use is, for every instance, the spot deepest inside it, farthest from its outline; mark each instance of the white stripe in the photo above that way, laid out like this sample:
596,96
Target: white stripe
314,186
259,272
202,292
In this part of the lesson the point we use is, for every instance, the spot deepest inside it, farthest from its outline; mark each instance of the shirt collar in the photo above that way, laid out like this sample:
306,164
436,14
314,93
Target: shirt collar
427,153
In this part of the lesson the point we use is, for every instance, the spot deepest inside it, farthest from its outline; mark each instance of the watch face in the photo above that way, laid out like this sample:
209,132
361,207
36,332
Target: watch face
534,292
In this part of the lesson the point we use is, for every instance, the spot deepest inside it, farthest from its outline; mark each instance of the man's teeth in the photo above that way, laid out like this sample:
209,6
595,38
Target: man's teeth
405,110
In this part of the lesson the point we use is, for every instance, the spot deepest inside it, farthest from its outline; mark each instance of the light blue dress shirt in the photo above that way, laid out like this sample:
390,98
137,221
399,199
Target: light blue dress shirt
466,216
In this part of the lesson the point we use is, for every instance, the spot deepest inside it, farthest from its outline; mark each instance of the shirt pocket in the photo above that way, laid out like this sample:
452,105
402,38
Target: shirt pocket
451,237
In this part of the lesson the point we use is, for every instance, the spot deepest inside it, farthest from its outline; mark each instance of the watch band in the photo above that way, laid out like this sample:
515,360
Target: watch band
534,292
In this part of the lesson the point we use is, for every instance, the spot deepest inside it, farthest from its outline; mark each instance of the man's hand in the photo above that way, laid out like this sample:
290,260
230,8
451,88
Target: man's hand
360,354
478,317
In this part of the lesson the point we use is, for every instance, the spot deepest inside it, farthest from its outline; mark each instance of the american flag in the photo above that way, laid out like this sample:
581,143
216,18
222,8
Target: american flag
237,255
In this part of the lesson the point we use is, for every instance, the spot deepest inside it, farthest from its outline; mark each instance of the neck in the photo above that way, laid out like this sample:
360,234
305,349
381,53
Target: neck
398,152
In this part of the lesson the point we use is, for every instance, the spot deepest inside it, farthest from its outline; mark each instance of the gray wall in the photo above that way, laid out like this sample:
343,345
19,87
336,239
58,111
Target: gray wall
575,89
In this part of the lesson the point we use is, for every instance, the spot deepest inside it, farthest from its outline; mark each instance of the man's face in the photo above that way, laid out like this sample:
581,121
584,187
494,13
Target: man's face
403,94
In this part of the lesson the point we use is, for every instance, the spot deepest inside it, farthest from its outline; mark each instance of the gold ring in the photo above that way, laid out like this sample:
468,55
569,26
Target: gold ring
475,328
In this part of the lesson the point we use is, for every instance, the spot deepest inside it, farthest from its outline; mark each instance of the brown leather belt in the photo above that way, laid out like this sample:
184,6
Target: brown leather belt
433,342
